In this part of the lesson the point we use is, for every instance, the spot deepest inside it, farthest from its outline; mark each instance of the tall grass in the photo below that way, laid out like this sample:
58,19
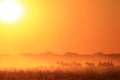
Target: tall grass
58,74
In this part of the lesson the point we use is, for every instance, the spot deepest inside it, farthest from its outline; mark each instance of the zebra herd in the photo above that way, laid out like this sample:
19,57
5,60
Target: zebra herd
100,64
88,64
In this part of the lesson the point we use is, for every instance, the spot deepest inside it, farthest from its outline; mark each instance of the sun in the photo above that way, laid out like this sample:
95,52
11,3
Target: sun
10,11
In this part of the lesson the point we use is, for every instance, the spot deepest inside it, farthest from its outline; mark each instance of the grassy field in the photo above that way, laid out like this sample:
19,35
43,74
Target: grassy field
57,74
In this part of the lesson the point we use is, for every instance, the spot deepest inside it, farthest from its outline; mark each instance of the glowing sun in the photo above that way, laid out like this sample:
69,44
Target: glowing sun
10,11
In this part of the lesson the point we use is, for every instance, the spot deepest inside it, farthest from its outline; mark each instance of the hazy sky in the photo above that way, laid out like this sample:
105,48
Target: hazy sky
83,26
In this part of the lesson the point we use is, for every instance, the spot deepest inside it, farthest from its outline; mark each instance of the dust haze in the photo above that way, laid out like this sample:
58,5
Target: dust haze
66,60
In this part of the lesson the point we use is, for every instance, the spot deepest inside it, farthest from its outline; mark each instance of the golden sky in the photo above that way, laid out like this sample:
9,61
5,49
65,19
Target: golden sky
83,26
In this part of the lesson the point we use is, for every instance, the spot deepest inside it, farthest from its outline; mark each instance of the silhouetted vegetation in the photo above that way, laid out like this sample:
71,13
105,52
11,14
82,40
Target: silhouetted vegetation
58,74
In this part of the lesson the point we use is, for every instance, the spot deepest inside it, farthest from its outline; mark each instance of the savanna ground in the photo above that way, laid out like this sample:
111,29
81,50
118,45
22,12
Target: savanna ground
59,74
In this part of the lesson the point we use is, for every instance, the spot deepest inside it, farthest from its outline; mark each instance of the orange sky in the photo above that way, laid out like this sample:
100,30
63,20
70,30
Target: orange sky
83,26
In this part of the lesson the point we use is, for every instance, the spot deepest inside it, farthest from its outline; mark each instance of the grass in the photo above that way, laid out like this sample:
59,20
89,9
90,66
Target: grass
57,74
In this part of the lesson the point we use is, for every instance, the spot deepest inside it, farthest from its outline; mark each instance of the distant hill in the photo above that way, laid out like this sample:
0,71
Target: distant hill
71,54
99,54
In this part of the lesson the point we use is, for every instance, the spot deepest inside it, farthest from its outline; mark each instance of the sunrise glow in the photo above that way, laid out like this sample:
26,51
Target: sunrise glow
59,39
